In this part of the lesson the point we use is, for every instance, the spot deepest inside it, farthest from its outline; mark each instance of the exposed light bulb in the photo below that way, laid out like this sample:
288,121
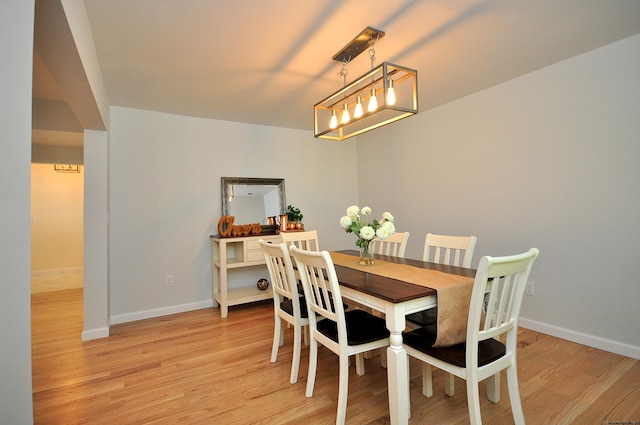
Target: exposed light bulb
334,119
358,112
345,114
391,94
373,101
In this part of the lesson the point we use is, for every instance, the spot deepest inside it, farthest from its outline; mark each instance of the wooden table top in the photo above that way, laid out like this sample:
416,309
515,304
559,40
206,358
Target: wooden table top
393,290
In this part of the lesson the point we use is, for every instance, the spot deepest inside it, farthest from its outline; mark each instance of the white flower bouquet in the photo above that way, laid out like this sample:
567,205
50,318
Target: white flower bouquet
366,231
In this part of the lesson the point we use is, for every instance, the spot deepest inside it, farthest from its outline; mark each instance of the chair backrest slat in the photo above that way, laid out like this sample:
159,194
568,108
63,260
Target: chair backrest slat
394,245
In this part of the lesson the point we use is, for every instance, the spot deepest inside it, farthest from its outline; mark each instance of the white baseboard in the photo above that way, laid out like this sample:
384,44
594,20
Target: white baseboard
158,312
616,347
90,334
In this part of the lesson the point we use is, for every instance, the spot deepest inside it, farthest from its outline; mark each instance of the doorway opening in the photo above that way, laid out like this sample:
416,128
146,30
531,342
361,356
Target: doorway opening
57,228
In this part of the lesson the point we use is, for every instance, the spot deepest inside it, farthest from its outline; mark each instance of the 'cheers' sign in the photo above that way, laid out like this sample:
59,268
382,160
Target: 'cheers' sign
227,229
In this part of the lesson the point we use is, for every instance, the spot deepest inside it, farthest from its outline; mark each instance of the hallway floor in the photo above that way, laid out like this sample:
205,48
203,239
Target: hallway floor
57,280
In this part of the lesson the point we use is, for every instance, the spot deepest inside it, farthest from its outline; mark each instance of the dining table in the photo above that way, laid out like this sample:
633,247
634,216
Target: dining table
394,296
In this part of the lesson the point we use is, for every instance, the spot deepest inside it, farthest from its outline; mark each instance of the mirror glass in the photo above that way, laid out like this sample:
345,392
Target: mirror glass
252,200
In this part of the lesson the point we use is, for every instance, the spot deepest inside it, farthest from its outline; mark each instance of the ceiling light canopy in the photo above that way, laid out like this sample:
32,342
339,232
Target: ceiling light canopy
385,94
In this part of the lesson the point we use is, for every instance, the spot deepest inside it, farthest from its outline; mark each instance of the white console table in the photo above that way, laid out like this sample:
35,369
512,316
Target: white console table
233,253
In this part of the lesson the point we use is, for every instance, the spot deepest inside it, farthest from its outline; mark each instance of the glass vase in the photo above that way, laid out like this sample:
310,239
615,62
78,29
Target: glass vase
366,257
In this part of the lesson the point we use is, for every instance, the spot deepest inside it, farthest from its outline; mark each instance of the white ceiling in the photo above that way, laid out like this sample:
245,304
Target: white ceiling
269,62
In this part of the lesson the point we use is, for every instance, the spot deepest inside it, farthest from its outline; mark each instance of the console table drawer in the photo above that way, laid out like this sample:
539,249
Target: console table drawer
254,244
255,255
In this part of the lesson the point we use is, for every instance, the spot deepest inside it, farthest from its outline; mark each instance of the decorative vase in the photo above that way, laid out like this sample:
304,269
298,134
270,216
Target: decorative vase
366,257
284,219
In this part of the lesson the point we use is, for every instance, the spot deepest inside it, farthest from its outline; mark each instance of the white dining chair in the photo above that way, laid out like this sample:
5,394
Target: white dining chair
288,304
307,239
443,249
345,333
394,245
482,355
452,251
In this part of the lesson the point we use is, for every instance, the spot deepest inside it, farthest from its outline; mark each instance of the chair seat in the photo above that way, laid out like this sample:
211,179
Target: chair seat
422,339
424,318
362,327
287,306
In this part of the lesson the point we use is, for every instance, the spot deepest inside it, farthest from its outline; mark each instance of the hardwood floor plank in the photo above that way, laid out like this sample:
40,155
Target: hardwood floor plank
620,401
197,368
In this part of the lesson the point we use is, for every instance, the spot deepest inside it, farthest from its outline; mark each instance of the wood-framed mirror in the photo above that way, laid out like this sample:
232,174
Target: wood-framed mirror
253,199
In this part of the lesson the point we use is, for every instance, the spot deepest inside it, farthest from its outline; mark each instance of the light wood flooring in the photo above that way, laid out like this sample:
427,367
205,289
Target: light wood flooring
196,368
57,280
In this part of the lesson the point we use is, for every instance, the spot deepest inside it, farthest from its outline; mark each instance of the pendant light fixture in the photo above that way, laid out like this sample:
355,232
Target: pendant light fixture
391,94
389,91
358,111
333,123
346,117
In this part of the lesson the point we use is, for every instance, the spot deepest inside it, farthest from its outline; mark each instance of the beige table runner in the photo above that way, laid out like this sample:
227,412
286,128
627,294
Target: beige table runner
454,293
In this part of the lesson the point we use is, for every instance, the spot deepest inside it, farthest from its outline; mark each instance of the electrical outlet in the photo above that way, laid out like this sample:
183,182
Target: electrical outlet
531,289
169,280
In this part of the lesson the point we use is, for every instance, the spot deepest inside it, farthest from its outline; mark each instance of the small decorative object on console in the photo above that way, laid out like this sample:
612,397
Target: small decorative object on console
263,284
294,219
227,228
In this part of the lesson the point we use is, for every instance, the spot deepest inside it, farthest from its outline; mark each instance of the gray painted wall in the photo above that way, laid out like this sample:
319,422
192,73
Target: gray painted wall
165,175
549,160
16,44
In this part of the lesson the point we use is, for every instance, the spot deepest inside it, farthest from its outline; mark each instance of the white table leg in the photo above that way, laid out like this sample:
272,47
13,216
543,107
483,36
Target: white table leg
397,370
